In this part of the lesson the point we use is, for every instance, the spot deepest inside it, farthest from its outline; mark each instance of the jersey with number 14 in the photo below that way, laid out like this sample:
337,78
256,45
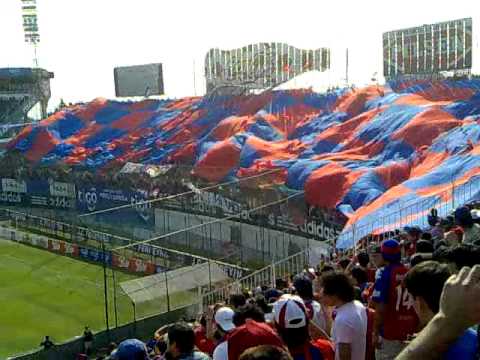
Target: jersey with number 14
400,319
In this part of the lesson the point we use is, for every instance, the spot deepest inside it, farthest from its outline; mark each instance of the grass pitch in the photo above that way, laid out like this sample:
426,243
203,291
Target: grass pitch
42,293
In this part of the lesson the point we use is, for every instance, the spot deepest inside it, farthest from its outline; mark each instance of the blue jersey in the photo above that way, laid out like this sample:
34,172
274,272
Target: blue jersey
465,348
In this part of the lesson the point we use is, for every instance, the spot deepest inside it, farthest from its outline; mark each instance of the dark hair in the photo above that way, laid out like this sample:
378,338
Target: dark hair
303,287
237,300
360,275
265,352
182,335
363,259
248,311
424,246
338,284
261,302
326,269
280,284
112,346
344,263
461,255
294,338
418,258
203,321
440,244
426,236
426,280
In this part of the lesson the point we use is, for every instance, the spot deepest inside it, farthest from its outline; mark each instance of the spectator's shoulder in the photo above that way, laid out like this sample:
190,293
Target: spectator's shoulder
466,346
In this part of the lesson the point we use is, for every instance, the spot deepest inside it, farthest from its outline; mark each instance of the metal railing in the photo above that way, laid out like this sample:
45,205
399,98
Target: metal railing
414,212
291,265
78,234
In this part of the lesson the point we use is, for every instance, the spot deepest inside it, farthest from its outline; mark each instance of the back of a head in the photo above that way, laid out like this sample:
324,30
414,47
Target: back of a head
360,275
363,259
426,280
391,251
338,284
461,255
131,349
344,263
262,303
265,352
291,320
426,236
237,300
280,284
303,287
248,311
463,217
424,246
327,268
183,336
418,258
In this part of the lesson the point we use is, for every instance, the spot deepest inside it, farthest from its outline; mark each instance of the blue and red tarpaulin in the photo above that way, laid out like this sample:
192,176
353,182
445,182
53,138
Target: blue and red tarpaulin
364,151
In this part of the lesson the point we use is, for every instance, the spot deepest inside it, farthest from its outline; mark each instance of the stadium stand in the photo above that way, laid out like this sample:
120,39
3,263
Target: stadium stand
282,314
363,151
371,150
20,90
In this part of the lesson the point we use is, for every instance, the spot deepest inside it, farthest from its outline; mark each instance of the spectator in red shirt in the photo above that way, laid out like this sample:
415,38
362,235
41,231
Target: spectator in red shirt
224,323
395,315
201,341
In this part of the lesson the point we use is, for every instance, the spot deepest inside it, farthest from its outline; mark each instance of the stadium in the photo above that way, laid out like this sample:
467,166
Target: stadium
124,215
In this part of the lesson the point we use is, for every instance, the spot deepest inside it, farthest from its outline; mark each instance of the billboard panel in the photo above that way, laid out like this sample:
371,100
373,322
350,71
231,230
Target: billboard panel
138,80
262,65
428,49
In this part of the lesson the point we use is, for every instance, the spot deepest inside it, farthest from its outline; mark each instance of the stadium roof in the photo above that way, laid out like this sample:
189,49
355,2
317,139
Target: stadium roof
23,73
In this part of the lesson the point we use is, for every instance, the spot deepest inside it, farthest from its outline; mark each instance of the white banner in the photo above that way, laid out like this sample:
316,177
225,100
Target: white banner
14,186
62,189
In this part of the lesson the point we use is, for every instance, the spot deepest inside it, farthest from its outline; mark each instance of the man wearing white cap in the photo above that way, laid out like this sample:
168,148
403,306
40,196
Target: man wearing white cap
224,323
292,324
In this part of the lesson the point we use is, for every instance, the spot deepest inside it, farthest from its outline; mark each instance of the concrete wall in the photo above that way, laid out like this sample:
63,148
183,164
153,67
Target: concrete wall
223,237
142,329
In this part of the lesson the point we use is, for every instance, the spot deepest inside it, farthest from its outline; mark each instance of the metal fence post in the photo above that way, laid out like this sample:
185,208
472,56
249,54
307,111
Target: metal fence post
166,289
273,274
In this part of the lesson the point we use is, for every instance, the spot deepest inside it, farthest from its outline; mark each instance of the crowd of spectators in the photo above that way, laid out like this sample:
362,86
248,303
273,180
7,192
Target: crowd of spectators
414,295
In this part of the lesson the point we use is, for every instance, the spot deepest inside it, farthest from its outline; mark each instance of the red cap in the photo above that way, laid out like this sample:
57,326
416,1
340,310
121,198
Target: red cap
250,335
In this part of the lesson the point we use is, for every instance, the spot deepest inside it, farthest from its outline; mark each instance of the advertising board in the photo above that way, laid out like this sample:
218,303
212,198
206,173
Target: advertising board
138,80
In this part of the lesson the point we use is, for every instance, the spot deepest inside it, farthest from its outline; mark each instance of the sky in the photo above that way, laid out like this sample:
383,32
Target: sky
83,40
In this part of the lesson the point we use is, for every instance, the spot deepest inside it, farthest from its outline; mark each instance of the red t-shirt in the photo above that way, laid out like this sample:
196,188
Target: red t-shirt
400,317
319,349
201,342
